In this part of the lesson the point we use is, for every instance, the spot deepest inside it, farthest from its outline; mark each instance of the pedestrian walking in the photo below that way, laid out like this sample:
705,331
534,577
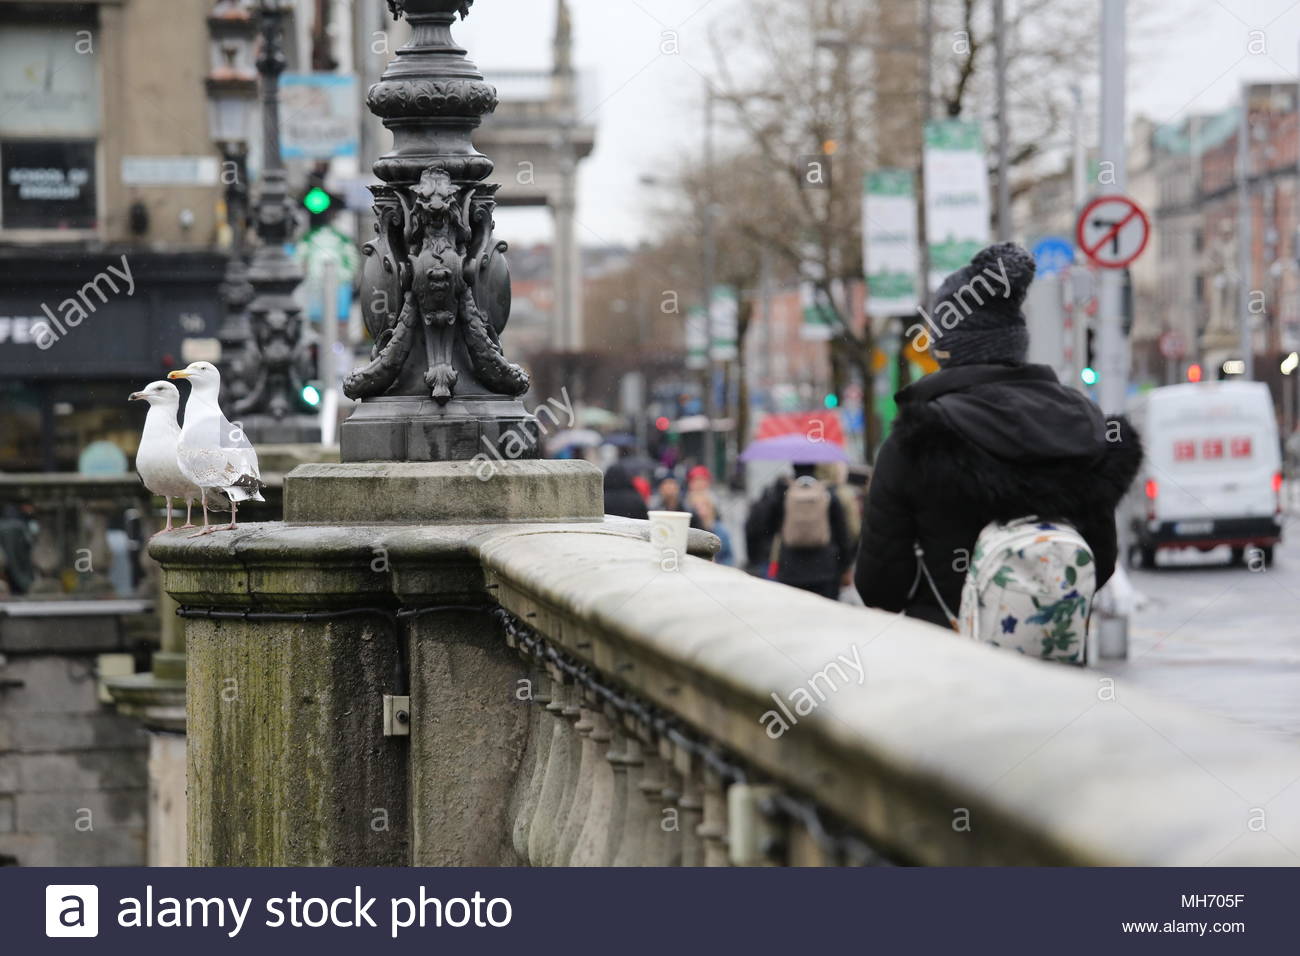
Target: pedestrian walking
668,496
621,496
704,515
984,441
808,535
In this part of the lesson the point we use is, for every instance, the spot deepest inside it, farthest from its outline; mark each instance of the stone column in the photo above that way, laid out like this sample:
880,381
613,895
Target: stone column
297,631
157,699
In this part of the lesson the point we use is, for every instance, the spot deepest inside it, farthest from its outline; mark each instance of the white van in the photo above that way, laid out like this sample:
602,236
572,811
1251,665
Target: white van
1212,474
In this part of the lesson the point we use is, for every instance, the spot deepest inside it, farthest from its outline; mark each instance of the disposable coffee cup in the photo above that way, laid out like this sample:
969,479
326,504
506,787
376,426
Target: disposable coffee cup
668,534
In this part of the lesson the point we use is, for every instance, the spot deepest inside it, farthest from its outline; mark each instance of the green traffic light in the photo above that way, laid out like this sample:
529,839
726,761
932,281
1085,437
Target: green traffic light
317,200
1089,376
311,395
832,400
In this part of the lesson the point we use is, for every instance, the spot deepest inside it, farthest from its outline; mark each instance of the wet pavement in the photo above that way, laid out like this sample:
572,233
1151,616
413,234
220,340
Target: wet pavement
1220,638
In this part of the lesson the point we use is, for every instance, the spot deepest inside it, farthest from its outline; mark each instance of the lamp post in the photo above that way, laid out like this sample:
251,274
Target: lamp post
232,95
274,410
435,288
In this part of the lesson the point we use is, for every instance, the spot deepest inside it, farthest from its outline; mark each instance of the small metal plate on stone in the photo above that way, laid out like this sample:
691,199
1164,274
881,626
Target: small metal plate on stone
397,716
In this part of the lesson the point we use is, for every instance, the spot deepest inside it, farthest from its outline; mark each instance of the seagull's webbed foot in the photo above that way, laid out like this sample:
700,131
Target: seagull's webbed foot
207,530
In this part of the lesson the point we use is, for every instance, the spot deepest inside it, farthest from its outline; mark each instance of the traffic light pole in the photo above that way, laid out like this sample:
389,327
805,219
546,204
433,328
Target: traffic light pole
1112,348
1112,387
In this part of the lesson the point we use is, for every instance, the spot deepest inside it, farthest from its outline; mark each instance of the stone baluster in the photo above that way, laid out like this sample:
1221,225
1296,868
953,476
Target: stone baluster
803,848
656,842
632,849
91,556
536,758
572,714
589,755
690,805
670,813
594,838
713,828
754,838
47,550
626,825
544,833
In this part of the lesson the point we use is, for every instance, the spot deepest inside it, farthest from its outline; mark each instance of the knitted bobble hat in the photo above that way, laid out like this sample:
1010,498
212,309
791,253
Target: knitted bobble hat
977,310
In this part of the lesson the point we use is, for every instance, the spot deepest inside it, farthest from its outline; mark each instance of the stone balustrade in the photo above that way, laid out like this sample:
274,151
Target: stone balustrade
569,702
68,517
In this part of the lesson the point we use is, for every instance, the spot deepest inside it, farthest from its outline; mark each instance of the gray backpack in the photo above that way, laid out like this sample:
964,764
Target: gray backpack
807,522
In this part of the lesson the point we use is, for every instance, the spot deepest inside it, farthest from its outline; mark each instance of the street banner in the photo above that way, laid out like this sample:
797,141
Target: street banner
320,115
697,338
956,195
891,257
818,314
724,324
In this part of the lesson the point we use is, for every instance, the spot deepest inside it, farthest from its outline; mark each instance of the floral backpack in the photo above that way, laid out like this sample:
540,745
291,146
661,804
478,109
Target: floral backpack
1029,587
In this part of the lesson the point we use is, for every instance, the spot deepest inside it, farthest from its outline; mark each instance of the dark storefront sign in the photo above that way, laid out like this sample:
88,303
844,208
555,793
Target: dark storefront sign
47,184
103,316
79,332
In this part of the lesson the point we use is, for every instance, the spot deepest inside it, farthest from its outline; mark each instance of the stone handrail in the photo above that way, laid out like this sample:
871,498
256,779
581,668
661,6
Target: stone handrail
946,753
569,702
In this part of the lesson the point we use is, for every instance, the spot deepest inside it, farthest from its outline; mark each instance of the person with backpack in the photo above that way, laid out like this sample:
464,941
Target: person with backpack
811,549
992,502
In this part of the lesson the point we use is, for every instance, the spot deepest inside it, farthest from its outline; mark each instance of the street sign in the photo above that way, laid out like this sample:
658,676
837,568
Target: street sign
1112,231
319,115
1173,345
1052,254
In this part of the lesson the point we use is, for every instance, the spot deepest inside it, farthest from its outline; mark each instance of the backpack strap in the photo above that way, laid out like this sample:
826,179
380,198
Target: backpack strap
934,588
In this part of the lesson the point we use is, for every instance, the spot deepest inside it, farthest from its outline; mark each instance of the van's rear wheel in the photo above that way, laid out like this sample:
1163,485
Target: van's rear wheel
1147,557
1238,556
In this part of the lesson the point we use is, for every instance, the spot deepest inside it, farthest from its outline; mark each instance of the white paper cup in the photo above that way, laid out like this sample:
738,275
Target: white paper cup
668,534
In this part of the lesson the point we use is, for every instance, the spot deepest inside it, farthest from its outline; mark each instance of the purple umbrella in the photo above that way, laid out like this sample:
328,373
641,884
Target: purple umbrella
796,448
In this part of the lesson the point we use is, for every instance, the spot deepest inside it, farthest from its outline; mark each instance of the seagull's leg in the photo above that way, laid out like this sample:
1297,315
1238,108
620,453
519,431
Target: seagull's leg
189,510
205,529
234,507
168,526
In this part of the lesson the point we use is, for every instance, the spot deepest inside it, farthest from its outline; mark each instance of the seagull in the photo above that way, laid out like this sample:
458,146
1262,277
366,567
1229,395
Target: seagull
212,452
155,461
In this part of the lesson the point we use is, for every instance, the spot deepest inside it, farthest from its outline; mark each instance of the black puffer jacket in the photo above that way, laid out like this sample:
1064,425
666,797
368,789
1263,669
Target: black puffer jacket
621,497
980,443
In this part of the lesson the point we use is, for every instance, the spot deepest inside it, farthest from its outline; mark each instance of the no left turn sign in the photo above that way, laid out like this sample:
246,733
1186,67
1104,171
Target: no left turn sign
1112,231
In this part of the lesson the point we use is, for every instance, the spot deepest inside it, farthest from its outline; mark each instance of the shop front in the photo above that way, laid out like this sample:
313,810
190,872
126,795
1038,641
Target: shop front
79,331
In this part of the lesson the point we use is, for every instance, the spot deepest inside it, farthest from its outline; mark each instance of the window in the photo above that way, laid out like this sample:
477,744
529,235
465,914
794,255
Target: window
49,126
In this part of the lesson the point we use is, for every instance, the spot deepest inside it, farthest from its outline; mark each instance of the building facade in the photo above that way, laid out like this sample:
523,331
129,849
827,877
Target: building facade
109,192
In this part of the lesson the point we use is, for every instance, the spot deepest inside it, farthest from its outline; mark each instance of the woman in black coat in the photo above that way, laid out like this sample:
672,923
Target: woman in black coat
621,497
986,438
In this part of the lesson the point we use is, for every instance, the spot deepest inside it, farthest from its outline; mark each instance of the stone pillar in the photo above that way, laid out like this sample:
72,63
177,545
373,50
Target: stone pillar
297,631
157,699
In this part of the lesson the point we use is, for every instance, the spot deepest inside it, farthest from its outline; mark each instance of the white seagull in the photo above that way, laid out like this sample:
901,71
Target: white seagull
155,461
212,452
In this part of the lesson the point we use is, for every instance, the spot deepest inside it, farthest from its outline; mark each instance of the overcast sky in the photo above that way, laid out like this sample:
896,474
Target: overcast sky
1185,56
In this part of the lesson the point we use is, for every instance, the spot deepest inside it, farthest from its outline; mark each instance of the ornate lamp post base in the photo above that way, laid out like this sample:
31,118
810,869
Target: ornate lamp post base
435,287
411,428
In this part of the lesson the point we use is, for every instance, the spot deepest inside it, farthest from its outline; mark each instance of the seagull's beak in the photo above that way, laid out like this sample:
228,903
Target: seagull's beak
179,373
135,397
